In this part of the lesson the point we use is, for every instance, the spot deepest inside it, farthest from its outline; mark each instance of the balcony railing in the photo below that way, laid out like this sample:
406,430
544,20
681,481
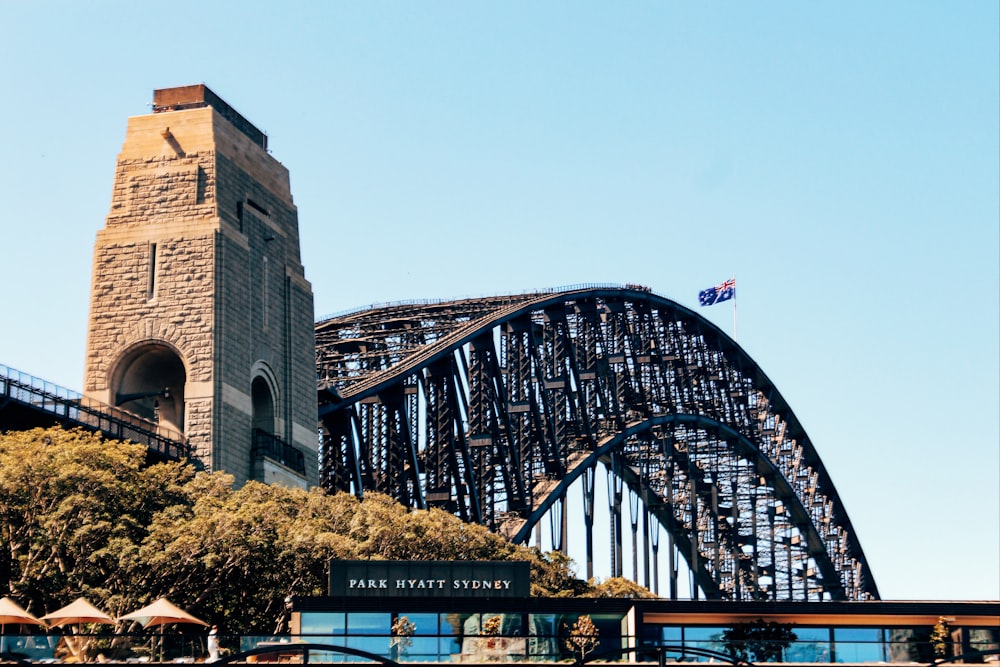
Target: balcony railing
271,446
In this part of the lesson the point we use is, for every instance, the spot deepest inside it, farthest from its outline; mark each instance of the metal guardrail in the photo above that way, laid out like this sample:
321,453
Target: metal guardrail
273,447
183,648
514,296
74,408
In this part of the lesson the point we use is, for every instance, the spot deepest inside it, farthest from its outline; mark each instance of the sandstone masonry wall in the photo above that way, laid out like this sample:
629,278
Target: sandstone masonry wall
200,255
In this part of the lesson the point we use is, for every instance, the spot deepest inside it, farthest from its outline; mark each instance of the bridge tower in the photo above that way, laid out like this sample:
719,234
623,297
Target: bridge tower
201,317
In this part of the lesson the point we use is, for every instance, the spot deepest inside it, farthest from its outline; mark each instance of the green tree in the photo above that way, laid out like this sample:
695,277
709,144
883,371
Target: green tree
583,637
73,506
940,638
81,515
552,574
618,587
237,554
383,528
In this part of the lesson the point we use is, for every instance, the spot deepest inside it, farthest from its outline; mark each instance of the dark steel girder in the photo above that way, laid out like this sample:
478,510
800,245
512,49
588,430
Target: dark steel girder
519,530
492,407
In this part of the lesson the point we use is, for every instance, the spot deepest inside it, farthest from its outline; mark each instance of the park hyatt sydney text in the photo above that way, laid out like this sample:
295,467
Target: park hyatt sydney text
424,584
451,578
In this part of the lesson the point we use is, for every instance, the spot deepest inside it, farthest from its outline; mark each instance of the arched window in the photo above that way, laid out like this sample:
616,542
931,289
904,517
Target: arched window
263,406
149,382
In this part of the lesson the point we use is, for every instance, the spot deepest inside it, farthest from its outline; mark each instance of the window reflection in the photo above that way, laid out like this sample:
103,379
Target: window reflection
326,623
858,645
485,636
810,645
369,632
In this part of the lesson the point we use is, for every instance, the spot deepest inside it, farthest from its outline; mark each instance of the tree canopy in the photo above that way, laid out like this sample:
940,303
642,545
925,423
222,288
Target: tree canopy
617,587
80,515
74,511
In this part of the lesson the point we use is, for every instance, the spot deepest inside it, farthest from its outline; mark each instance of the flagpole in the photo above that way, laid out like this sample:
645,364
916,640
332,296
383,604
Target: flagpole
735,335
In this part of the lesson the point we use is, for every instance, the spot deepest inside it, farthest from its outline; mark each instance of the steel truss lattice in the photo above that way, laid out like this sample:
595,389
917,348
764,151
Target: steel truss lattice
491,408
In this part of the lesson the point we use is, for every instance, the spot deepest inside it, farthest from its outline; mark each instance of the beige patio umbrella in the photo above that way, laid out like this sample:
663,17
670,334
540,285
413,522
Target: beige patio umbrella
161,613
11,613
77,613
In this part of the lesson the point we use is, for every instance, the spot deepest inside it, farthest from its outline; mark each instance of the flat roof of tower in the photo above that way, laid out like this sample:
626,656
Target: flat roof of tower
198,96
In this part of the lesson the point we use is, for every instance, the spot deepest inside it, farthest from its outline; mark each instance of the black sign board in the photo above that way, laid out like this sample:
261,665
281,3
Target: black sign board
429,578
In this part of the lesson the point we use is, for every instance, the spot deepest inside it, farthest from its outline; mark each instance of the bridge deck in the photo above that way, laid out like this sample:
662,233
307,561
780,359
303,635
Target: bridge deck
29,402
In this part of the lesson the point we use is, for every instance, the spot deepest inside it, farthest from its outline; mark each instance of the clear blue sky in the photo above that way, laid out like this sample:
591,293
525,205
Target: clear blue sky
840,159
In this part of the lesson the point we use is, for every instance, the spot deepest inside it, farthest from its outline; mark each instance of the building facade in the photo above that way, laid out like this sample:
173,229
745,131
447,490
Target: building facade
201,318
446,612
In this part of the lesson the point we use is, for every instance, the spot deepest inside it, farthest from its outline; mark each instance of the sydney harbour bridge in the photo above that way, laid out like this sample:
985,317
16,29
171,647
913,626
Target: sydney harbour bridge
492,408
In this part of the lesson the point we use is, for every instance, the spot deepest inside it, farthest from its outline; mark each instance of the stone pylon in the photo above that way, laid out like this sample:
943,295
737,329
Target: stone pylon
201,318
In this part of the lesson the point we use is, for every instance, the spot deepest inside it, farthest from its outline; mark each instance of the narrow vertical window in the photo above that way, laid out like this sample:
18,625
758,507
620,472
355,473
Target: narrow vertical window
151,277
265,294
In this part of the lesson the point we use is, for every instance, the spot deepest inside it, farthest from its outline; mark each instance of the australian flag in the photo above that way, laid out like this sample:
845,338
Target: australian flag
719,293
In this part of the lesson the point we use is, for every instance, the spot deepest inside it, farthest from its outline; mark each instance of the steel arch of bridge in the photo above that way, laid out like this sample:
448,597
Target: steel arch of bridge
492,407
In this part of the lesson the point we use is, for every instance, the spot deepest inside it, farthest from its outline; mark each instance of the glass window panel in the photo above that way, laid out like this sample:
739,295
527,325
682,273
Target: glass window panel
449,646
658,635
984,639
33,647
248,642
858,634
369,623
859,652
909,645
320,657
469,624
474,646
650,635
695,633
808,651
421,648
810,645
811,634
545,649
608,626
511,625
516,648
424,624
453,624
376,645
859,645
543,642
541,624
708,638
327,623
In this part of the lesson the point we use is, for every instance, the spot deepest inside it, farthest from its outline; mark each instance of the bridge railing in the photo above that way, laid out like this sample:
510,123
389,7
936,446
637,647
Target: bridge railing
518,296
74,408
